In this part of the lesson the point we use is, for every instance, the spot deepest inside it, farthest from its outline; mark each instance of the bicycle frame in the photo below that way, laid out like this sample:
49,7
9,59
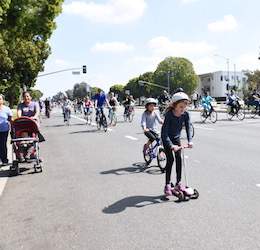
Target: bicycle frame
152,149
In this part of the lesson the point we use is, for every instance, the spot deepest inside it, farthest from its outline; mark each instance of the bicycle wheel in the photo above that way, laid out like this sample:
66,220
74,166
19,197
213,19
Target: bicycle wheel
241,114
252,111
104,123
130,117
192,130
203,115
161,159
114,120
230,115
213,116
98,123
147,155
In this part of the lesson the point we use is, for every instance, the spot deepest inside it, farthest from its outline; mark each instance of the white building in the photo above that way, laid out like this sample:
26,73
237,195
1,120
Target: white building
218,85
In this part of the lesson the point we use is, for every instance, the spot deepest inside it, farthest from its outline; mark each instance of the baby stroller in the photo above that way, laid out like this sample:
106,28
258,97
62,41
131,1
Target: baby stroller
28,125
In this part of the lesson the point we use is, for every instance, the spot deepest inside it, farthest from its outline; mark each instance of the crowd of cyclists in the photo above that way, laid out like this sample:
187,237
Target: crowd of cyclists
101,100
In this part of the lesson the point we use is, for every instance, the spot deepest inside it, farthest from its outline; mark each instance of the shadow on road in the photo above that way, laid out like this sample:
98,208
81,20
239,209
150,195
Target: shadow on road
139,167
134,201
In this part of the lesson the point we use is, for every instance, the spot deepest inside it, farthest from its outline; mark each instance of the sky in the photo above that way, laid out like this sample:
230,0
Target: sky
122,39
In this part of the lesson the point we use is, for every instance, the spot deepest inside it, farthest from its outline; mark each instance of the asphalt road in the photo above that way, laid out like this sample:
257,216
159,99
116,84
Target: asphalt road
96,193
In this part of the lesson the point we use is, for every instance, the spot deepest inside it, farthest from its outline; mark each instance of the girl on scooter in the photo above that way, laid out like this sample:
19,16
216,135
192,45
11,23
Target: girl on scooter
176,114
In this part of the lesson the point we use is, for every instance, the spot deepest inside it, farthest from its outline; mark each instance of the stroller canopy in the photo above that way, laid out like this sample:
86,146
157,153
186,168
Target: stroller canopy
24,122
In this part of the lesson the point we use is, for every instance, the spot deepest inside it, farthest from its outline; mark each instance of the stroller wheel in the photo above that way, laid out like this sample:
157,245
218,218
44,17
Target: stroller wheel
14,169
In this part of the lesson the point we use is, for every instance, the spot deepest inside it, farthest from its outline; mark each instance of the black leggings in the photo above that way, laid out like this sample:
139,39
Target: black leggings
151,135
170,159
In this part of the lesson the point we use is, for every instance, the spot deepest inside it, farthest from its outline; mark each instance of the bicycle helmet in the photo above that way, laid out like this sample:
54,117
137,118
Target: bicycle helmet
179,97
150,100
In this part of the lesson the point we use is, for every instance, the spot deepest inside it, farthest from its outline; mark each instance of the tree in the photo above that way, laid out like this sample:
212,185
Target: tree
36,94
119,90
58,97
79,90
180,72
253,79
26,25
69,94
138,90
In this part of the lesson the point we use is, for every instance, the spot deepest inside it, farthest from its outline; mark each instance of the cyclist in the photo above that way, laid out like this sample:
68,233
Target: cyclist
148,121
87,105
255,98
99,102
126,102
66,108
206,99
113,102
233,102
163,100
171,132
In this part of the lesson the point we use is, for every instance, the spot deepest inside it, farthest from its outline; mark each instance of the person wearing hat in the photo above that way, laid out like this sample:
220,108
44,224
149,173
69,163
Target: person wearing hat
176,115
148,121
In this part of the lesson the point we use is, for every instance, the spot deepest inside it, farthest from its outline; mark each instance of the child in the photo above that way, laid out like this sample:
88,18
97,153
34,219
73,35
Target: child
25,147
171,132
148,121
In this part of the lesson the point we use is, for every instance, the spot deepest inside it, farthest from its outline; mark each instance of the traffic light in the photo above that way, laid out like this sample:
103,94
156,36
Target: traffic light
84,69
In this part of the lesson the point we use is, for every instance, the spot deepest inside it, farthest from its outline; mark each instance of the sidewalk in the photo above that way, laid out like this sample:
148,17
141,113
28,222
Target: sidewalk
4,171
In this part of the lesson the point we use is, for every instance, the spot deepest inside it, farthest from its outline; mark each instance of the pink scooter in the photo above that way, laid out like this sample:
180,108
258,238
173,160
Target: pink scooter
186,190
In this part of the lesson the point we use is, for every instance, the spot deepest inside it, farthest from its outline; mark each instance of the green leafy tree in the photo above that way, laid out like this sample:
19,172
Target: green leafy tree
137,89
119,90
58,97
69,94
253,79
26,25
36,94
180,72
79,90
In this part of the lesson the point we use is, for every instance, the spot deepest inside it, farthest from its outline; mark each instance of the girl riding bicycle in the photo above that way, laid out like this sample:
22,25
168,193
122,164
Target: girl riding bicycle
148,121
176,114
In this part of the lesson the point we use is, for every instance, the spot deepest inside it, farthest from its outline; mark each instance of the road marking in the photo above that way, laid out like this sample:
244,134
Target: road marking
196,161
258,185
92,123
131,137
211,129
3,181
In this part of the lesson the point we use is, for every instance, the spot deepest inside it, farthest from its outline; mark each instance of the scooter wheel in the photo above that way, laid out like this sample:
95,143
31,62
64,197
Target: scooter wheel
181,196
196,194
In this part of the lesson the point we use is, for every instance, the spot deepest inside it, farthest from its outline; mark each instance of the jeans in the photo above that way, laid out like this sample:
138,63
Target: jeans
3,147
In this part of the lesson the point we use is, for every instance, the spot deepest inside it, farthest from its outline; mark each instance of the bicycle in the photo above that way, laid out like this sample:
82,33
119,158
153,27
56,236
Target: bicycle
155,151
191,128
212,114
101,119
67,116
253,110
239,112
112,116
88,115
129,113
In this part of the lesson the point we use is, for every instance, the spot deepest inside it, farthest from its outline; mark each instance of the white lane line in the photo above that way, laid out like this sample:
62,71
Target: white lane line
196,161
131,137
211,129
258,185
92,123
3,181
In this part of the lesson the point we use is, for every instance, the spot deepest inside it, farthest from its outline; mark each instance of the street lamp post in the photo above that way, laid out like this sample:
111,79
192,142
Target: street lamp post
227,66
168,79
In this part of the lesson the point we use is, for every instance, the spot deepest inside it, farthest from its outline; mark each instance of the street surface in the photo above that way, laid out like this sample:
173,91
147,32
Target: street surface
95,191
